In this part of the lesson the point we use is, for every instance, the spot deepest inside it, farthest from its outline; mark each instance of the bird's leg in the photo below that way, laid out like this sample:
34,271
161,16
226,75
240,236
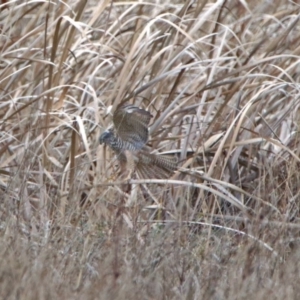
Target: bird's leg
127,170
130,165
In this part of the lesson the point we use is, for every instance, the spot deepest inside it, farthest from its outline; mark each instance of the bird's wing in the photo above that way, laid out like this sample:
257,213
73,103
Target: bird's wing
131,125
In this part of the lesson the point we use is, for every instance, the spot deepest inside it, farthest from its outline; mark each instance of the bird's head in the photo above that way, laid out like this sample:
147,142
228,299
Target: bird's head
107,137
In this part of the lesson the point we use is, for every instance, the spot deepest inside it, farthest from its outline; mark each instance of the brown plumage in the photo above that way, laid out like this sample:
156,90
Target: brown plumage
128,140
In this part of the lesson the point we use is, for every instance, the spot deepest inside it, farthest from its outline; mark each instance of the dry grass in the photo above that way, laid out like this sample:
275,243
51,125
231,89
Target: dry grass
220,78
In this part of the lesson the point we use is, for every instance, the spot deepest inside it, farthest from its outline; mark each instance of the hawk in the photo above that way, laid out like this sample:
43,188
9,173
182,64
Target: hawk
128,138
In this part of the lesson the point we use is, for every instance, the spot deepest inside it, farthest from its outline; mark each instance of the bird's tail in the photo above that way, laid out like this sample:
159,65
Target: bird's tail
156,166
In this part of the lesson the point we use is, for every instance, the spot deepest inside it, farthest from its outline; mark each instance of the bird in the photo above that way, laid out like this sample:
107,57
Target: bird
128,137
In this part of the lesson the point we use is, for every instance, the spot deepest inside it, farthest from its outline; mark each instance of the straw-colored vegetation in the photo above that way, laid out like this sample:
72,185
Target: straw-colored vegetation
221,81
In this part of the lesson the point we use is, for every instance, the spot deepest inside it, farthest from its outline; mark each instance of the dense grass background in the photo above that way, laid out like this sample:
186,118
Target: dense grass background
221,80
